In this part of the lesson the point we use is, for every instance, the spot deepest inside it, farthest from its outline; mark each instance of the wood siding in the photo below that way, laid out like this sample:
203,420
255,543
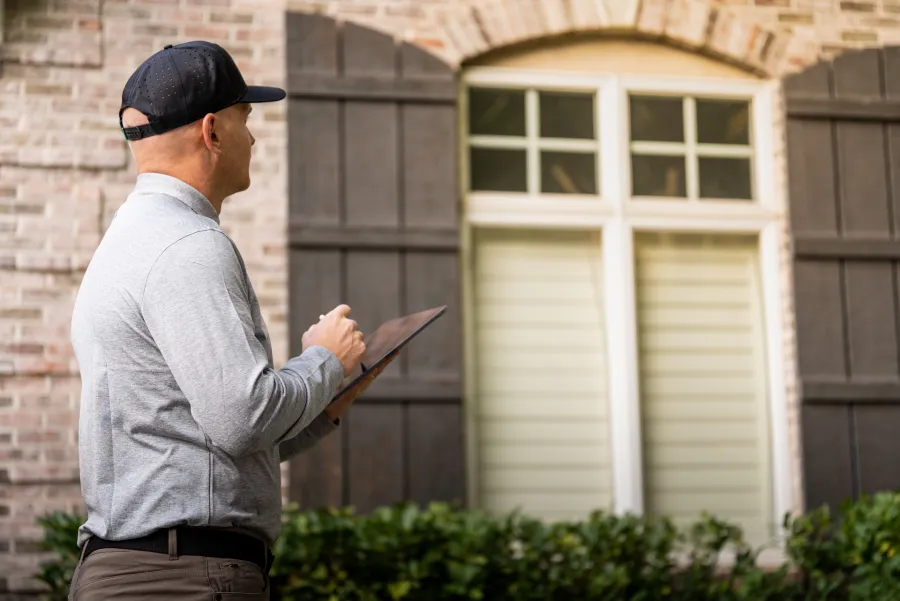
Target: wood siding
373,223
843,148
541,391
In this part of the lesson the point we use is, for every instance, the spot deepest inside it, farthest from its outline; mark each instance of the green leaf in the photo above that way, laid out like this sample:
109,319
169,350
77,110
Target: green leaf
398,590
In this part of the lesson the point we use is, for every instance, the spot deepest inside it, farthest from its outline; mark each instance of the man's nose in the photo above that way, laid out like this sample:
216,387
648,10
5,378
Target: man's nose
252,140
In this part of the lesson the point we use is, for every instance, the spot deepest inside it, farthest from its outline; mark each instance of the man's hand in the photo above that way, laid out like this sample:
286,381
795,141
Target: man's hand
340,335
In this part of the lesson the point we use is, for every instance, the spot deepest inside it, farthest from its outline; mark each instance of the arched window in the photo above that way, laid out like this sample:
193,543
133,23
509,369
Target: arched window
625,340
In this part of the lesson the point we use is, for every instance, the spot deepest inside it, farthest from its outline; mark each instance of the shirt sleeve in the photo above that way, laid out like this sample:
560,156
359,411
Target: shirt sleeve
196,306
320,427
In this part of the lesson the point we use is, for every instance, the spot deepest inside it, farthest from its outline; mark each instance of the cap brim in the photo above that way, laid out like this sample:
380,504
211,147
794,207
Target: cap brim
263,94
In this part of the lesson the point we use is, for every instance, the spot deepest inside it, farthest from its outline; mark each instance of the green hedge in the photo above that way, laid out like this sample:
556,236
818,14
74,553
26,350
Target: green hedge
441,553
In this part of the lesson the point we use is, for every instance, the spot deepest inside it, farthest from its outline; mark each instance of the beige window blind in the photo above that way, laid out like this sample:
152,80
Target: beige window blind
704,414
543,440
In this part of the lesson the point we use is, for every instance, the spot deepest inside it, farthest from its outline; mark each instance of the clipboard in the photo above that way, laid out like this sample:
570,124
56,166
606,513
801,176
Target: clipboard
383,346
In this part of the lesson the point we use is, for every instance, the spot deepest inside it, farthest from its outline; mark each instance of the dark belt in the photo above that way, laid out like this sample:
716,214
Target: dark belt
204,542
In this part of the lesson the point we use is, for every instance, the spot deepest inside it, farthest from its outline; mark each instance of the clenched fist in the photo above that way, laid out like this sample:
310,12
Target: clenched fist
340,335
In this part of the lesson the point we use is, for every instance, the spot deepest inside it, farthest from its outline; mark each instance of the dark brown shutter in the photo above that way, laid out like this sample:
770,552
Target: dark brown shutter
373,223
843,151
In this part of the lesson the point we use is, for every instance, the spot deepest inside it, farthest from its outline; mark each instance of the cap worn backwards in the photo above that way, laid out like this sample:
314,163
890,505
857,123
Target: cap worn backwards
182,83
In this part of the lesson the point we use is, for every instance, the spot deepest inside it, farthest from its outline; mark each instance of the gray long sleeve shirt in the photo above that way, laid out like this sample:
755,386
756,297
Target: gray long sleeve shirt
184,419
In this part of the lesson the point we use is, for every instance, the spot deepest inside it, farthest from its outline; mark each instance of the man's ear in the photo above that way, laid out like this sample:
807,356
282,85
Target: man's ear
211,139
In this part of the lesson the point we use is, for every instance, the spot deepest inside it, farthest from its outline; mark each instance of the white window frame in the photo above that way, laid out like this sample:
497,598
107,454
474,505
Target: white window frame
620,217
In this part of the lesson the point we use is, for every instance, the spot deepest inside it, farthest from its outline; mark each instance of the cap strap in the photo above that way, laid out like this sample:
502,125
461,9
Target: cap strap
138,132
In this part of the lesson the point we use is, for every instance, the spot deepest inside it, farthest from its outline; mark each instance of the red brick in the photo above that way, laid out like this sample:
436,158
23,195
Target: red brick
154,30
253,35
19,419
230,17
429,42
866,7
27,546
796,18
205,33
55,455
24,348
50,22
62,420
12,455
55,89
20,313
42,401
89,24
42,436
859,36
881,22
124,10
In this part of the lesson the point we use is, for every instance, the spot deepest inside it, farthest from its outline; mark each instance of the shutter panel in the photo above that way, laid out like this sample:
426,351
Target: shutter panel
373,212
703,380
843,133
541,373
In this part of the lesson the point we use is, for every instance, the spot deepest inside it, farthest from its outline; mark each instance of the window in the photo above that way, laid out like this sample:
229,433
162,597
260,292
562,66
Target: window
637,213
685,147
534,141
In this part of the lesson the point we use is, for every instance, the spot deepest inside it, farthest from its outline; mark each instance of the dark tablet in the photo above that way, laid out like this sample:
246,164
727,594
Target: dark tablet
384,344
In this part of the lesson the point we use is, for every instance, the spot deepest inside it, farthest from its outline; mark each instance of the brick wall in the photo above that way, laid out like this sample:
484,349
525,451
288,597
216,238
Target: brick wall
64,168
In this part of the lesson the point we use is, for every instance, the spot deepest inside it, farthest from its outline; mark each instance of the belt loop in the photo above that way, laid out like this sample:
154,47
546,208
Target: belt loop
173,544
84,549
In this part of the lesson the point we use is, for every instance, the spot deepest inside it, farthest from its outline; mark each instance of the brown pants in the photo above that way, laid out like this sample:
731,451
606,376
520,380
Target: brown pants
131,575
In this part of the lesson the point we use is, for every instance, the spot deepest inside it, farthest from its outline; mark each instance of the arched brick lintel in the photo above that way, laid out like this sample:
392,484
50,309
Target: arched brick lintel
700,26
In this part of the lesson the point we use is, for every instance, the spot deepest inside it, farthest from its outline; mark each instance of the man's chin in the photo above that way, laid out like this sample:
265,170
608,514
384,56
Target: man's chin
241,186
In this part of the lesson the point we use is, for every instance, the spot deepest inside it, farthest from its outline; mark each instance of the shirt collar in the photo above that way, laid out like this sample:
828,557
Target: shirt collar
159,183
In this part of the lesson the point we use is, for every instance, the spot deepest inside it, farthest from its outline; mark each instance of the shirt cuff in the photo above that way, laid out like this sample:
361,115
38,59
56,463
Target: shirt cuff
334,371
322,426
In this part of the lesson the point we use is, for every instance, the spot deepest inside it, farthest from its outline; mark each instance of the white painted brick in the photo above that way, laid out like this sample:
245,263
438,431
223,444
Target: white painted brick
623,14
687,21
532,20
652,16
497,23
465,36
588,14
555,18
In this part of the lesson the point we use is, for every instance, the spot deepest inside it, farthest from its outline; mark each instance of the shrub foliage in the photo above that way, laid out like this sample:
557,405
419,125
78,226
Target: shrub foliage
440,553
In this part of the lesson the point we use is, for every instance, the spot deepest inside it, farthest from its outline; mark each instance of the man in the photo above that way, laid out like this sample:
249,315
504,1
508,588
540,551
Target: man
184,420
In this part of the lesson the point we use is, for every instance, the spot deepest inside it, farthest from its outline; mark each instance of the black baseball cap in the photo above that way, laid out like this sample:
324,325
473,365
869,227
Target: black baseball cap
182,83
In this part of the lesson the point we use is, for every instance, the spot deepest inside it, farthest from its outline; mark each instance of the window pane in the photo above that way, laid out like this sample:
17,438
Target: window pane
568,172
496,112
565,115
498,170
658,176
723,122
725,178
657,119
